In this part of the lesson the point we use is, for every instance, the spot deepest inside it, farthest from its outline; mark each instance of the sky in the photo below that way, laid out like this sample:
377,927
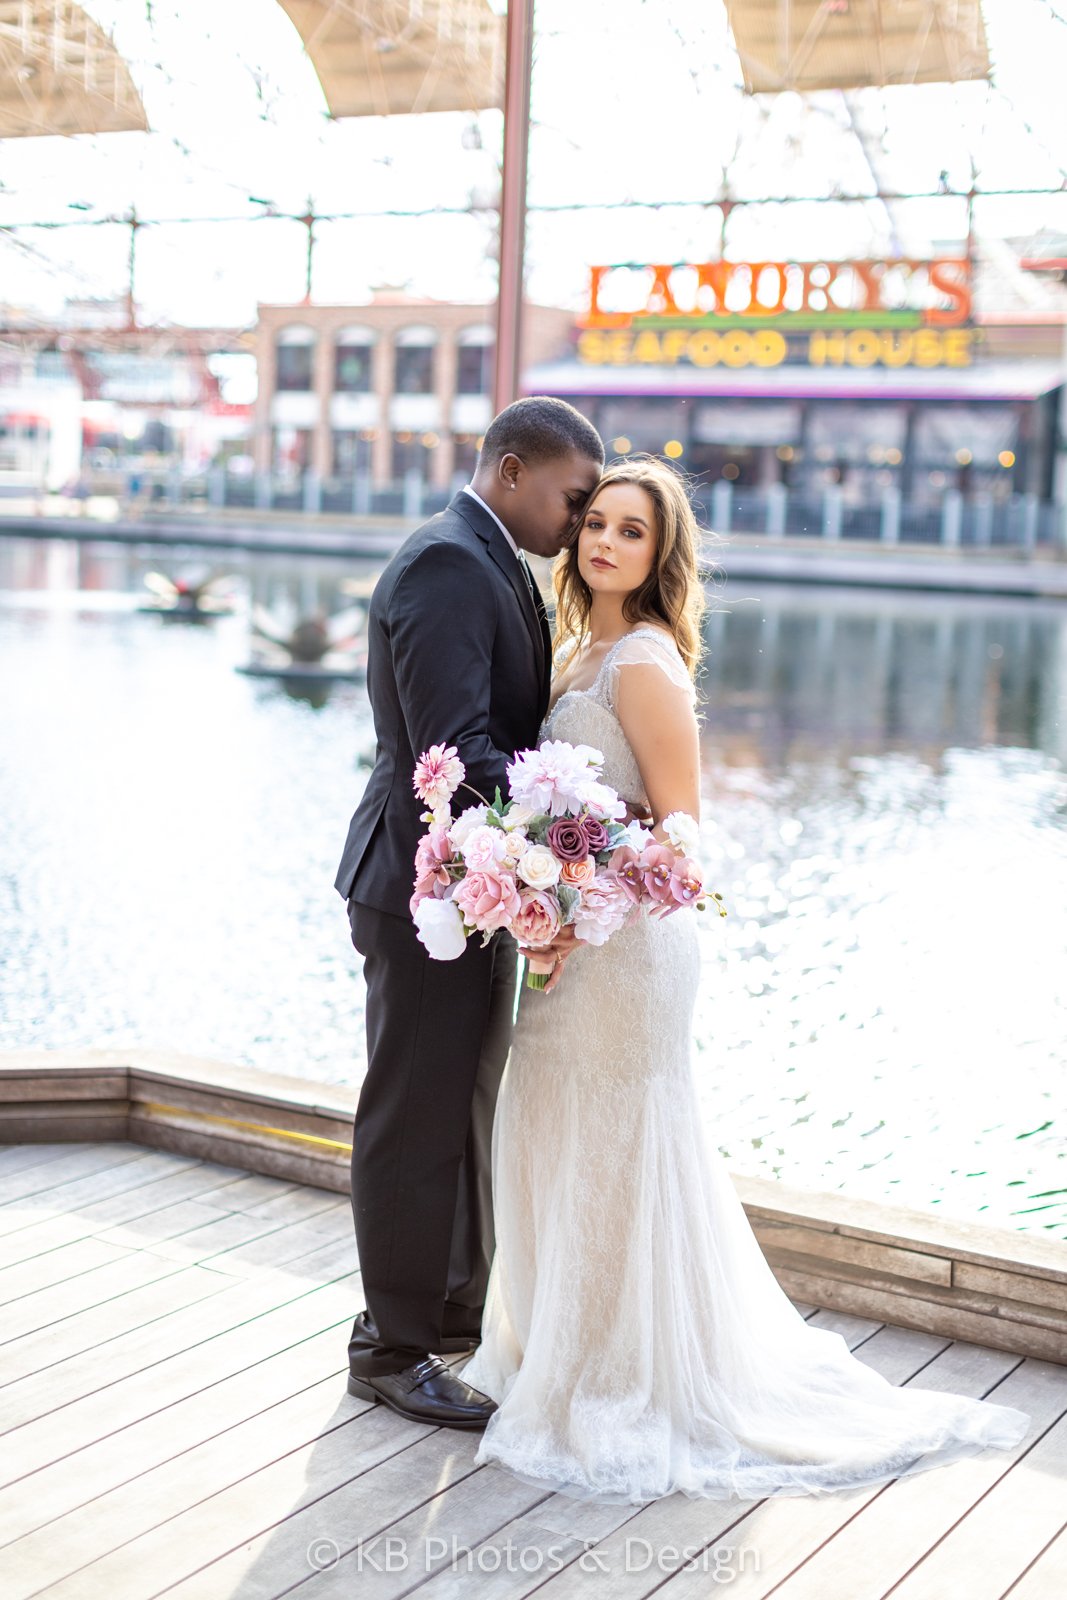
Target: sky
634,100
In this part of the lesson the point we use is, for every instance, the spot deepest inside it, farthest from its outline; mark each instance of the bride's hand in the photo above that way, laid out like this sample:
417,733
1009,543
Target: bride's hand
563,945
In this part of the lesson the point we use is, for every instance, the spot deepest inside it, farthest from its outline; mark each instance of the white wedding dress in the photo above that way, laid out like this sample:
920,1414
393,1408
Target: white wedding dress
635,1339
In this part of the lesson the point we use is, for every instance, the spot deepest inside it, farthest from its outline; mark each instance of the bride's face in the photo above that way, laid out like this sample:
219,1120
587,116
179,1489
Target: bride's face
617,539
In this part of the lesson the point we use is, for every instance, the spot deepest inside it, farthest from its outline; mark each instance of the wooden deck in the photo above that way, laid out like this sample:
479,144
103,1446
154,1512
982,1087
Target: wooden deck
175,1420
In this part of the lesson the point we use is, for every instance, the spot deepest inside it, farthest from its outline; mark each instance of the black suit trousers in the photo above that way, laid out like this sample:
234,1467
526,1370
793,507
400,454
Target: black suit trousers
438,1034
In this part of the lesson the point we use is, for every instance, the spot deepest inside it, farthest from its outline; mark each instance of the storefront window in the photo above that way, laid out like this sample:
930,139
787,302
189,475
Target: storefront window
415,360
474,361
353,354
410,454
294,358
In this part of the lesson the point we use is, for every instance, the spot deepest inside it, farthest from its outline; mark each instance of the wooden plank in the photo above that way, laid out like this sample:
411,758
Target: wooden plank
861,1544
894,1260
1046,1577
14,1157
49,1177
288,1164
278,1245
993,1544
1045,1337
246,1244
87,1122
433,1486
155,1367
998,1284
175,1487
107,1285
18,1089
187,1448
144,1200
250,1190
145,1167
96,1327
768,1200
63,1265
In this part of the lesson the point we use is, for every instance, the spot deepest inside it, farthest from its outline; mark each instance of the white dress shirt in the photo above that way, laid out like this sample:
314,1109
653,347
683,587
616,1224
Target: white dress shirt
468,490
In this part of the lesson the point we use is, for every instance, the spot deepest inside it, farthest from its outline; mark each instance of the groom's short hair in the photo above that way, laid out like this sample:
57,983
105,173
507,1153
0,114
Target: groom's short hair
540,428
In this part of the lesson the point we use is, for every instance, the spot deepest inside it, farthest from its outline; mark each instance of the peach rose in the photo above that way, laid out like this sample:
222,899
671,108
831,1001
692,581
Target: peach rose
576,874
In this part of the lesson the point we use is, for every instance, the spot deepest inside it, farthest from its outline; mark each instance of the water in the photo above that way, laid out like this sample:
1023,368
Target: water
885,813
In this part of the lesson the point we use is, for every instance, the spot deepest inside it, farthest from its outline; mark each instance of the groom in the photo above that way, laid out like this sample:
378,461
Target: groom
459,653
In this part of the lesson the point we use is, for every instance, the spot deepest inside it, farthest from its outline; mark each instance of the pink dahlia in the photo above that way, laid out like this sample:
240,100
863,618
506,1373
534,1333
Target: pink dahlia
438,774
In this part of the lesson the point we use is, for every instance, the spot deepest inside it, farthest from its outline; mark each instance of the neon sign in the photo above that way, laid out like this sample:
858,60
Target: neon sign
763,313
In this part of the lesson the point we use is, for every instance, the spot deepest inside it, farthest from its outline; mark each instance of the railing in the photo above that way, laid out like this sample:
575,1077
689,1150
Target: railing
1021,522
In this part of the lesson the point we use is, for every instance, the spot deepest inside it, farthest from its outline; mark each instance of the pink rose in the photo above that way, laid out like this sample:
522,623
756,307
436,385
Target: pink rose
488,899
431,878
603,909
625,868
537,922
576,874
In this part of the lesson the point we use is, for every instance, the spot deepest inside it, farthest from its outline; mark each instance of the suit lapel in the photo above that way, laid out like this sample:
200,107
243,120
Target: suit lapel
504,557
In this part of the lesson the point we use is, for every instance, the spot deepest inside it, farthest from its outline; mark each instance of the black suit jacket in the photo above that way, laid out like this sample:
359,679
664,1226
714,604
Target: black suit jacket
458,654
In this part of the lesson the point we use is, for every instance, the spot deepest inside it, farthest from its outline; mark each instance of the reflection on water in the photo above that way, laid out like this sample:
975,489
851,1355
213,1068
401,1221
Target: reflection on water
885,812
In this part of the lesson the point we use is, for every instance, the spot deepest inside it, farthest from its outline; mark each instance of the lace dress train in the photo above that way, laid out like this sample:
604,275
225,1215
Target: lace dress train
635,1338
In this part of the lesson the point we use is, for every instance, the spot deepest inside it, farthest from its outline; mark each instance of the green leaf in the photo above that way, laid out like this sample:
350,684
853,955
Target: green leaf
568,898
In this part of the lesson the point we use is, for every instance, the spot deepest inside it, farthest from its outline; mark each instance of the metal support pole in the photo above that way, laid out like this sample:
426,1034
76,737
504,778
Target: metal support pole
513,201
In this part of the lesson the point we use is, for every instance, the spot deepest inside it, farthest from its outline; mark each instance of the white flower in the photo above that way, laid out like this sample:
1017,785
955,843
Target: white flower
555,777
539,867
483,847
439,926
465,823
602,802
516,845
683,831
637,837
518,816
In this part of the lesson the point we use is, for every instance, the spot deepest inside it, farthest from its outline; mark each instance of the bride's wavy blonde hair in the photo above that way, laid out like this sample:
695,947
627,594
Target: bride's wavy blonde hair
672,594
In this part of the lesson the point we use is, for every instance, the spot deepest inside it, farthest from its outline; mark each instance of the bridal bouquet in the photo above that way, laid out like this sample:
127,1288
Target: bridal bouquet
557,854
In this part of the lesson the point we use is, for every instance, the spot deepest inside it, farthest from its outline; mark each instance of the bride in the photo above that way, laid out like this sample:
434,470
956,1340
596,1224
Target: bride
635,1339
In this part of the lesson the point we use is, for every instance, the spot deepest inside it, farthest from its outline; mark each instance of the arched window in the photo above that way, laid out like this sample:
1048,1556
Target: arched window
415,351
474,360
353,354
294,357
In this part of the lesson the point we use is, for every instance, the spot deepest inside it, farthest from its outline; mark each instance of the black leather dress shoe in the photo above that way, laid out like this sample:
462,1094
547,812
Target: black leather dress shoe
427,1392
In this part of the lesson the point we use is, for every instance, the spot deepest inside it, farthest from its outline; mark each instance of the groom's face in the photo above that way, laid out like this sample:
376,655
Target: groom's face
544,501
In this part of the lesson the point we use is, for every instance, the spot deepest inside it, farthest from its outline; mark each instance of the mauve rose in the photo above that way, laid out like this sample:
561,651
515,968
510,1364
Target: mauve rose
537,922
576,874
567,840
596,836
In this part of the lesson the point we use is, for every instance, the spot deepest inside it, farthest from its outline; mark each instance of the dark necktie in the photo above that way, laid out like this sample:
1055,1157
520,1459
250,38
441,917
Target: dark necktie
528,575
542,623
